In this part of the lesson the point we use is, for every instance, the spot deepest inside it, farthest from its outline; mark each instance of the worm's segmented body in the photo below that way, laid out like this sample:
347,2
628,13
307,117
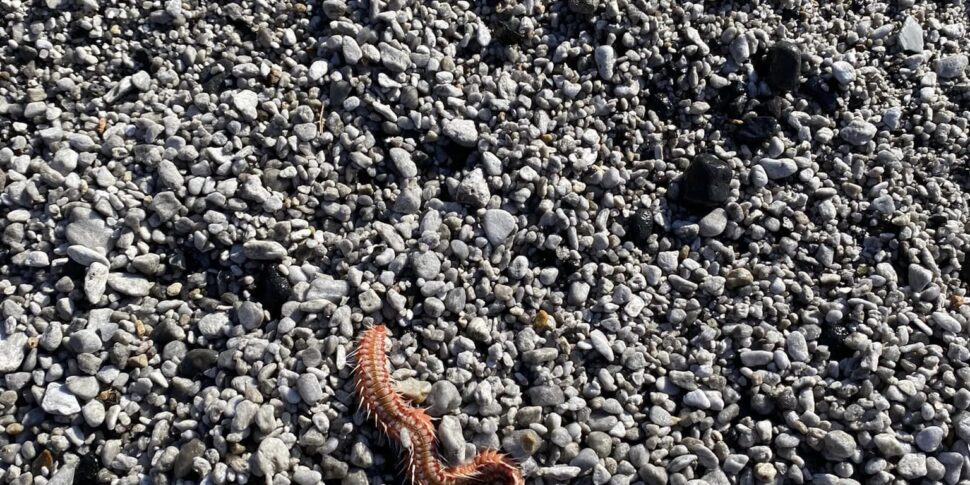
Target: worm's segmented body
412,427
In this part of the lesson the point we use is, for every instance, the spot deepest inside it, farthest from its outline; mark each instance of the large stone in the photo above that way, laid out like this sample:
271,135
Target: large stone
951,66
12,352
858,132
783,66
88,229
58,400
707,181
187,454
462,132
498,225
911,36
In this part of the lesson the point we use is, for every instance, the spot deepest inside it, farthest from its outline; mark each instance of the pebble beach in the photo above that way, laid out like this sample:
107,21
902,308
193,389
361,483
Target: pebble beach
620,242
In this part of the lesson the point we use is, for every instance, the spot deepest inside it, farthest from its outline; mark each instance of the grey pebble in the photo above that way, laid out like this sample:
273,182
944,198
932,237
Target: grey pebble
310,389
443,399
84,341
911,36
12,352
601,344
213,325
714,223
929,439
605,61
858,132
754,358
85,388
264,250
919,277
59,401
498,225
85,256
128,284
188,452
93,413
245,102
463,132
426,265
839,444
951,66
546,396
778,168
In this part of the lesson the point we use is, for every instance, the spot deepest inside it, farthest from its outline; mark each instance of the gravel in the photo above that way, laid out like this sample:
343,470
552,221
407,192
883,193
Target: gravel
623,242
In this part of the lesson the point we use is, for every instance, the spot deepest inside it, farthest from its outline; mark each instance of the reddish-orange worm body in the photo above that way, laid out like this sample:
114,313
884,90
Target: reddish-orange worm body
412,428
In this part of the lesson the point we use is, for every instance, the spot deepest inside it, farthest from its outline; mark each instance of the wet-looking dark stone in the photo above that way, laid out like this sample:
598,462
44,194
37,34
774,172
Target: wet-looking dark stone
782,66
706,182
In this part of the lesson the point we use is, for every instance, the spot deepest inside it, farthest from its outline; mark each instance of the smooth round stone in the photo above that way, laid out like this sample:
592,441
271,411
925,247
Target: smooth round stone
951,66
59,401
85,342
713,224
498,225
839,444
929,438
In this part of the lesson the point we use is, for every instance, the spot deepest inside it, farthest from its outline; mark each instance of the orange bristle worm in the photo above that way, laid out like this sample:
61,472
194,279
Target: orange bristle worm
411,426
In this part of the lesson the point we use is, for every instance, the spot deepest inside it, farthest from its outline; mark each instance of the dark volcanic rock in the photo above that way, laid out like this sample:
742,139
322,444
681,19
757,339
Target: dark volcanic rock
706,182
782,66
87,469
824,93
640,226
272,290
754,131
197,361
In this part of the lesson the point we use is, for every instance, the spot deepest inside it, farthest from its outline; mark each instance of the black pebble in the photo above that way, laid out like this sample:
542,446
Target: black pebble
197,361
661,103
506,31
87,470
823,93
339,91
706,182
272,290
834,336
166,332
782,66
640,226
756,130
216,77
